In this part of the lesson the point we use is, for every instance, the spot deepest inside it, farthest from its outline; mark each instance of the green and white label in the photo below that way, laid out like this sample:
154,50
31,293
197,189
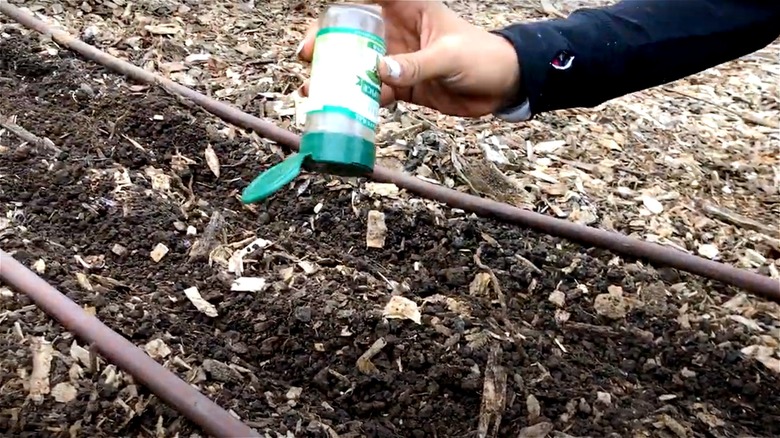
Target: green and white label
345,75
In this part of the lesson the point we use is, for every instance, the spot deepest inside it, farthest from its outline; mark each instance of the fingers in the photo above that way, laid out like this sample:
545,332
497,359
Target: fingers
305,50
409,69
386,97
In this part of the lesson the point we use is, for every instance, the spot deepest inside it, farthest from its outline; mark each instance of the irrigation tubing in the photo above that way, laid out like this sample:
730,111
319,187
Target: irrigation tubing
167,386
757,284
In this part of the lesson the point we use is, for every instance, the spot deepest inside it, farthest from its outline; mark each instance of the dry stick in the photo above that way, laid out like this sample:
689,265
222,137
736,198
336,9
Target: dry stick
736,219
746,116
758,284
25,135
493,394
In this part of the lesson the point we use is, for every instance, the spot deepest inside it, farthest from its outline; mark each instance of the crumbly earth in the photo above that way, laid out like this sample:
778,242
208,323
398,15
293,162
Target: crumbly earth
286,359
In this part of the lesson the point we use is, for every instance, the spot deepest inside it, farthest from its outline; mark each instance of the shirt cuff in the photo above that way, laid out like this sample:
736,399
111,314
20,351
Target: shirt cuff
520,113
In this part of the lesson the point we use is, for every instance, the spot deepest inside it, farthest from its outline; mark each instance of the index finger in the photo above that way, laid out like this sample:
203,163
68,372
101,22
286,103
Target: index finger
305,50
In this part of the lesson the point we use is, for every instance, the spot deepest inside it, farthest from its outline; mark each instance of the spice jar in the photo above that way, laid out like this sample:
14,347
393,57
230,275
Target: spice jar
343,101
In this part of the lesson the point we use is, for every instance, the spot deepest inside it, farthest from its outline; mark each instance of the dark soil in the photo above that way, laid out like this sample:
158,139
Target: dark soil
308,332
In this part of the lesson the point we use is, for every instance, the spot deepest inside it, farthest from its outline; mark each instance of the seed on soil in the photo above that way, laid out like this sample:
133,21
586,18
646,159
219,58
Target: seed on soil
294,393
80,354
538,430
558,298
453,305
561,316
402,308
652,205
533,407
248,284
84,282
160,181
212,160
364,363
157,349
221,371
64,392
307,267
236,260
39,266
382,190
287,274
197,300
604,398
159,251
41,367
479,285
119,250
708,250
612,304
376,229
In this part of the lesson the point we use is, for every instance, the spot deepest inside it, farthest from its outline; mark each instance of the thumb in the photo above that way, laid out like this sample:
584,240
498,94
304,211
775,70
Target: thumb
410,69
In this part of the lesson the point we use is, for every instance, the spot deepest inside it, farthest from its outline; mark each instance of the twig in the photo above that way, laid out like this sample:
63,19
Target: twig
508,324
202,247
25,135
746,116
364,364
493,395
736,219
493,279
93,358
458,166
187,189
528,263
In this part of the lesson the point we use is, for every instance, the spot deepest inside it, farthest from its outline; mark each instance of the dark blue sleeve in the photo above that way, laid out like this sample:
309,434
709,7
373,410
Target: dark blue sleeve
597,54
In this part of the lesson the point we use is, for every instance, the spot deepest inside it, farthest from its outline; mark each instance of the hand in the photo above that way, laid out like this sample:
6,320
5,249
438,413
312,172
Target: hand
439,60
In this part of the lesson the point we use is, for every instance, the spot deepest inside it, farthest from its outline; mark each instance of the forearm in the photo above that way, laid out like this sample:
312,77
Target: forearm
633,45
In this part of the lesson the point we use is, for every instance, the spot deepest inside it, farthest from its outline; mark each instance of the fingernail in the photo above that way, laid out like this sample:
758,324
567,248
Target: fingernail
393,68
300,47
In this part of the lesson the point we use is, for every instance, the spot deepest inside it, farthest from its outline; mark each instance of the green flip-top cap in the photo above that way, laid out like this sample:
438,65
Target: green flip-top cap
273,179
338,154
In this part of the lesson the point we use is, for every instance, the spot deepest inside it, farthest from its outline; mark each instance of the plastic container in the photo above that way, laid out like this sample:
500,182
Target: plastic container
343,103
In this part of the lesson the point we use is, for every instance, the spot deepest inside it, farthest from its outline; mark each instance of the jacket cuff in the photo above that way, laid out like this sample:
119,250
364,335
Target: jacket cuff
514,114
545,60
